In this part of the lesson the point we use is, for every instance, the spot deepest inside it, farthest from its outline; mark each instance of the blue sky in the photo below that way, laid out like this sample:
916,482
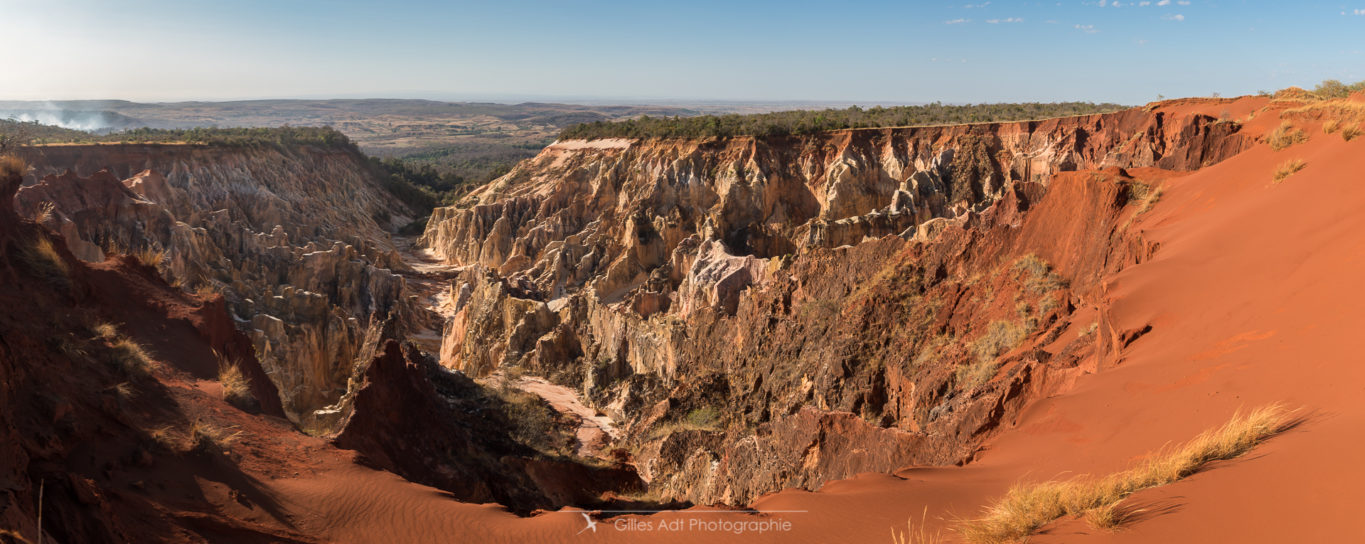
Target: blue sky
855,51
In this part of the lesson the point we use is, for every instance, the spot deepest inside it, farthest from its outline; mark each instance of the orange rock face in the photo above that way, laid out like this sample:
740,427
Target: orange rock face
764,312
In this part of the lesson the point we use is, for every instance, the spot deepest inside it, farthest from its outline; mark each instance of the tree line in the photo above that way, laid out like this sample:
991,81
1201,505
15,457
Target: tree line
800,122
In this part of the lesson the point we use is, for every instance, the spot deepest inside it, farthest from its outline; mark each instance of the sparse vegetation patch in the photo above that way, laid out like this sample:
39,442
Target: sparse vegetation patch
44,261
1350,133
1028,507
236,388
1286,135
1287,169
815,121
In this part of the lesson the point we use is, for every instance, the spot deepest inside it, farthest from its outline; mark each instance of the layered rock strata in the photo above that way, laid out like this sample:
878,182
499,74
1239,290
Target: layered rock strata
762,313
294,238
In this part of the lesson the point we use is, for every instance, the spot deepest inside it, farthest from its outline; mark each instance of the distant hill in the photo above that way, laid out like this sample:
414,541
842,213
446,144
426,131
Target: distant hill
470,140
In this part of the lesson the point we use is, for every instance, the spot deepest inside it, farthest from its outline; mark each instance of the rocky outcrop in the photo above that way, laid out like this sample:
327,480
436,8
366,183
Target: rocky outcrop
770,312
308,273
432,426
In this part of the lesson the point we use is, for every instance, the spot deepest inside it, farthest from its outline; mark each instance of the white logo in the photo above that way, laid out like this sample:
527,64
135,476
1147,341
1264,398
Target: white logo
592,523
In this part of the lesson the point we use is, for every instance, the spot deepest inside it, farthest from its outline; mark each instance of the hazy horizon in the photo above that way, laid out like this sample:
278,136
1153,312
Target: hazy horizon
865,52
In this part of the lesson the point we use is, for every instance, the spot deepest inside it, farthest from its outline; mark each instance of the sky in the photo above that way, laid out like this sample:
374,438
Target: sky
860,51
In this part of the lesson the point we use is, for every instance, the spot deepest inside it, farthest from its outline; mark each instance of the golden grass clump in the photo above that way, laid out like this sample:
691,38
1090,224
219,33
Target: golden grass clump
105,330
205,290
44,261
1294,94
164,438
1335,114
917,533
150,256
46,211
207,437
1289,168
130,356
1286,135
236,388
12,166
1350,133
1027,507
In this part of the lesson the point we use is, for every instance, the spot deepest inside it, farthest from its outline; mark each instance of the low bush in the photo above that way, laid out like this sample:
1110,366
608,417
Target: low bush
1286,135
1289,168
236,388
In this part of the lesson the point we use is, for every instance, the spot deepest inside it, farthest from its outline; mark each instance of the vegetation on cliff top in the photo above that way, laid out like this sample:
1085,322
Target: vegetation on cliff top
813,121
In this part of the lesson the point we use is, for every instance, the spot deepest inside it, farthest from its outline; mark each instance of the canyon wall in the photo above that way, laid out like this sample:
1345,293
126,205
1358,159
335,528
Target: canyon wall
762,313
293,236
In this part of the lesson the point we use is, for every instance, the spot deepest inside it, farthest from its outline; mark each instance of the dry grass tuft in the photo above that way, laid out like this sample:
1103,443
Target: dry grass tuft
1332,125
205,290
1027,507
207,437
1350,133
46,211
972,375
130,356
1340,110
12,166
44,261
1040,277
1286,135
150,256
1109,516
164,438
105,330
124,390
917,534
1289,168
236,389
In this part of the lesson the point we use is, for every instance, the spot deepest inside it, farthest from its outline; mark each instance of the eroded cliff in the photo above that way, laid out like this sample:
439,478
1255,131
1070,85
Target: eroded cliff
762,313
294,237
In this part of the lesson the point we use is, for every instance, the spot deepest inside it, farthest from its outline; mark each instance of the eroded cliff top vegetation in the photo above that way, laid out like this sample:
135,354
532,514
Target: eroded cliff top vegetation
813,121
35,133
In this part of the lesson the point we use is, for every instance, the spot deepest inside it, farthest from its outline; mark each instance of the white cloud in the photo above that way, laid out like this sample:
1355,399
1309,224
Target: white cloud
1145,3
981,5
1009,20
1176,17
957,21
1164,3
1088,29
1357,12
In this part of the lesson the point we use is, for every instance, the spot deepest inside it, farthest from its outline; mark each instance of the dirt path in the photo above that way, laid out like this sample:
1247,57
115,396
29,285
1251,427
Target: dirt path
594,431
430,281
